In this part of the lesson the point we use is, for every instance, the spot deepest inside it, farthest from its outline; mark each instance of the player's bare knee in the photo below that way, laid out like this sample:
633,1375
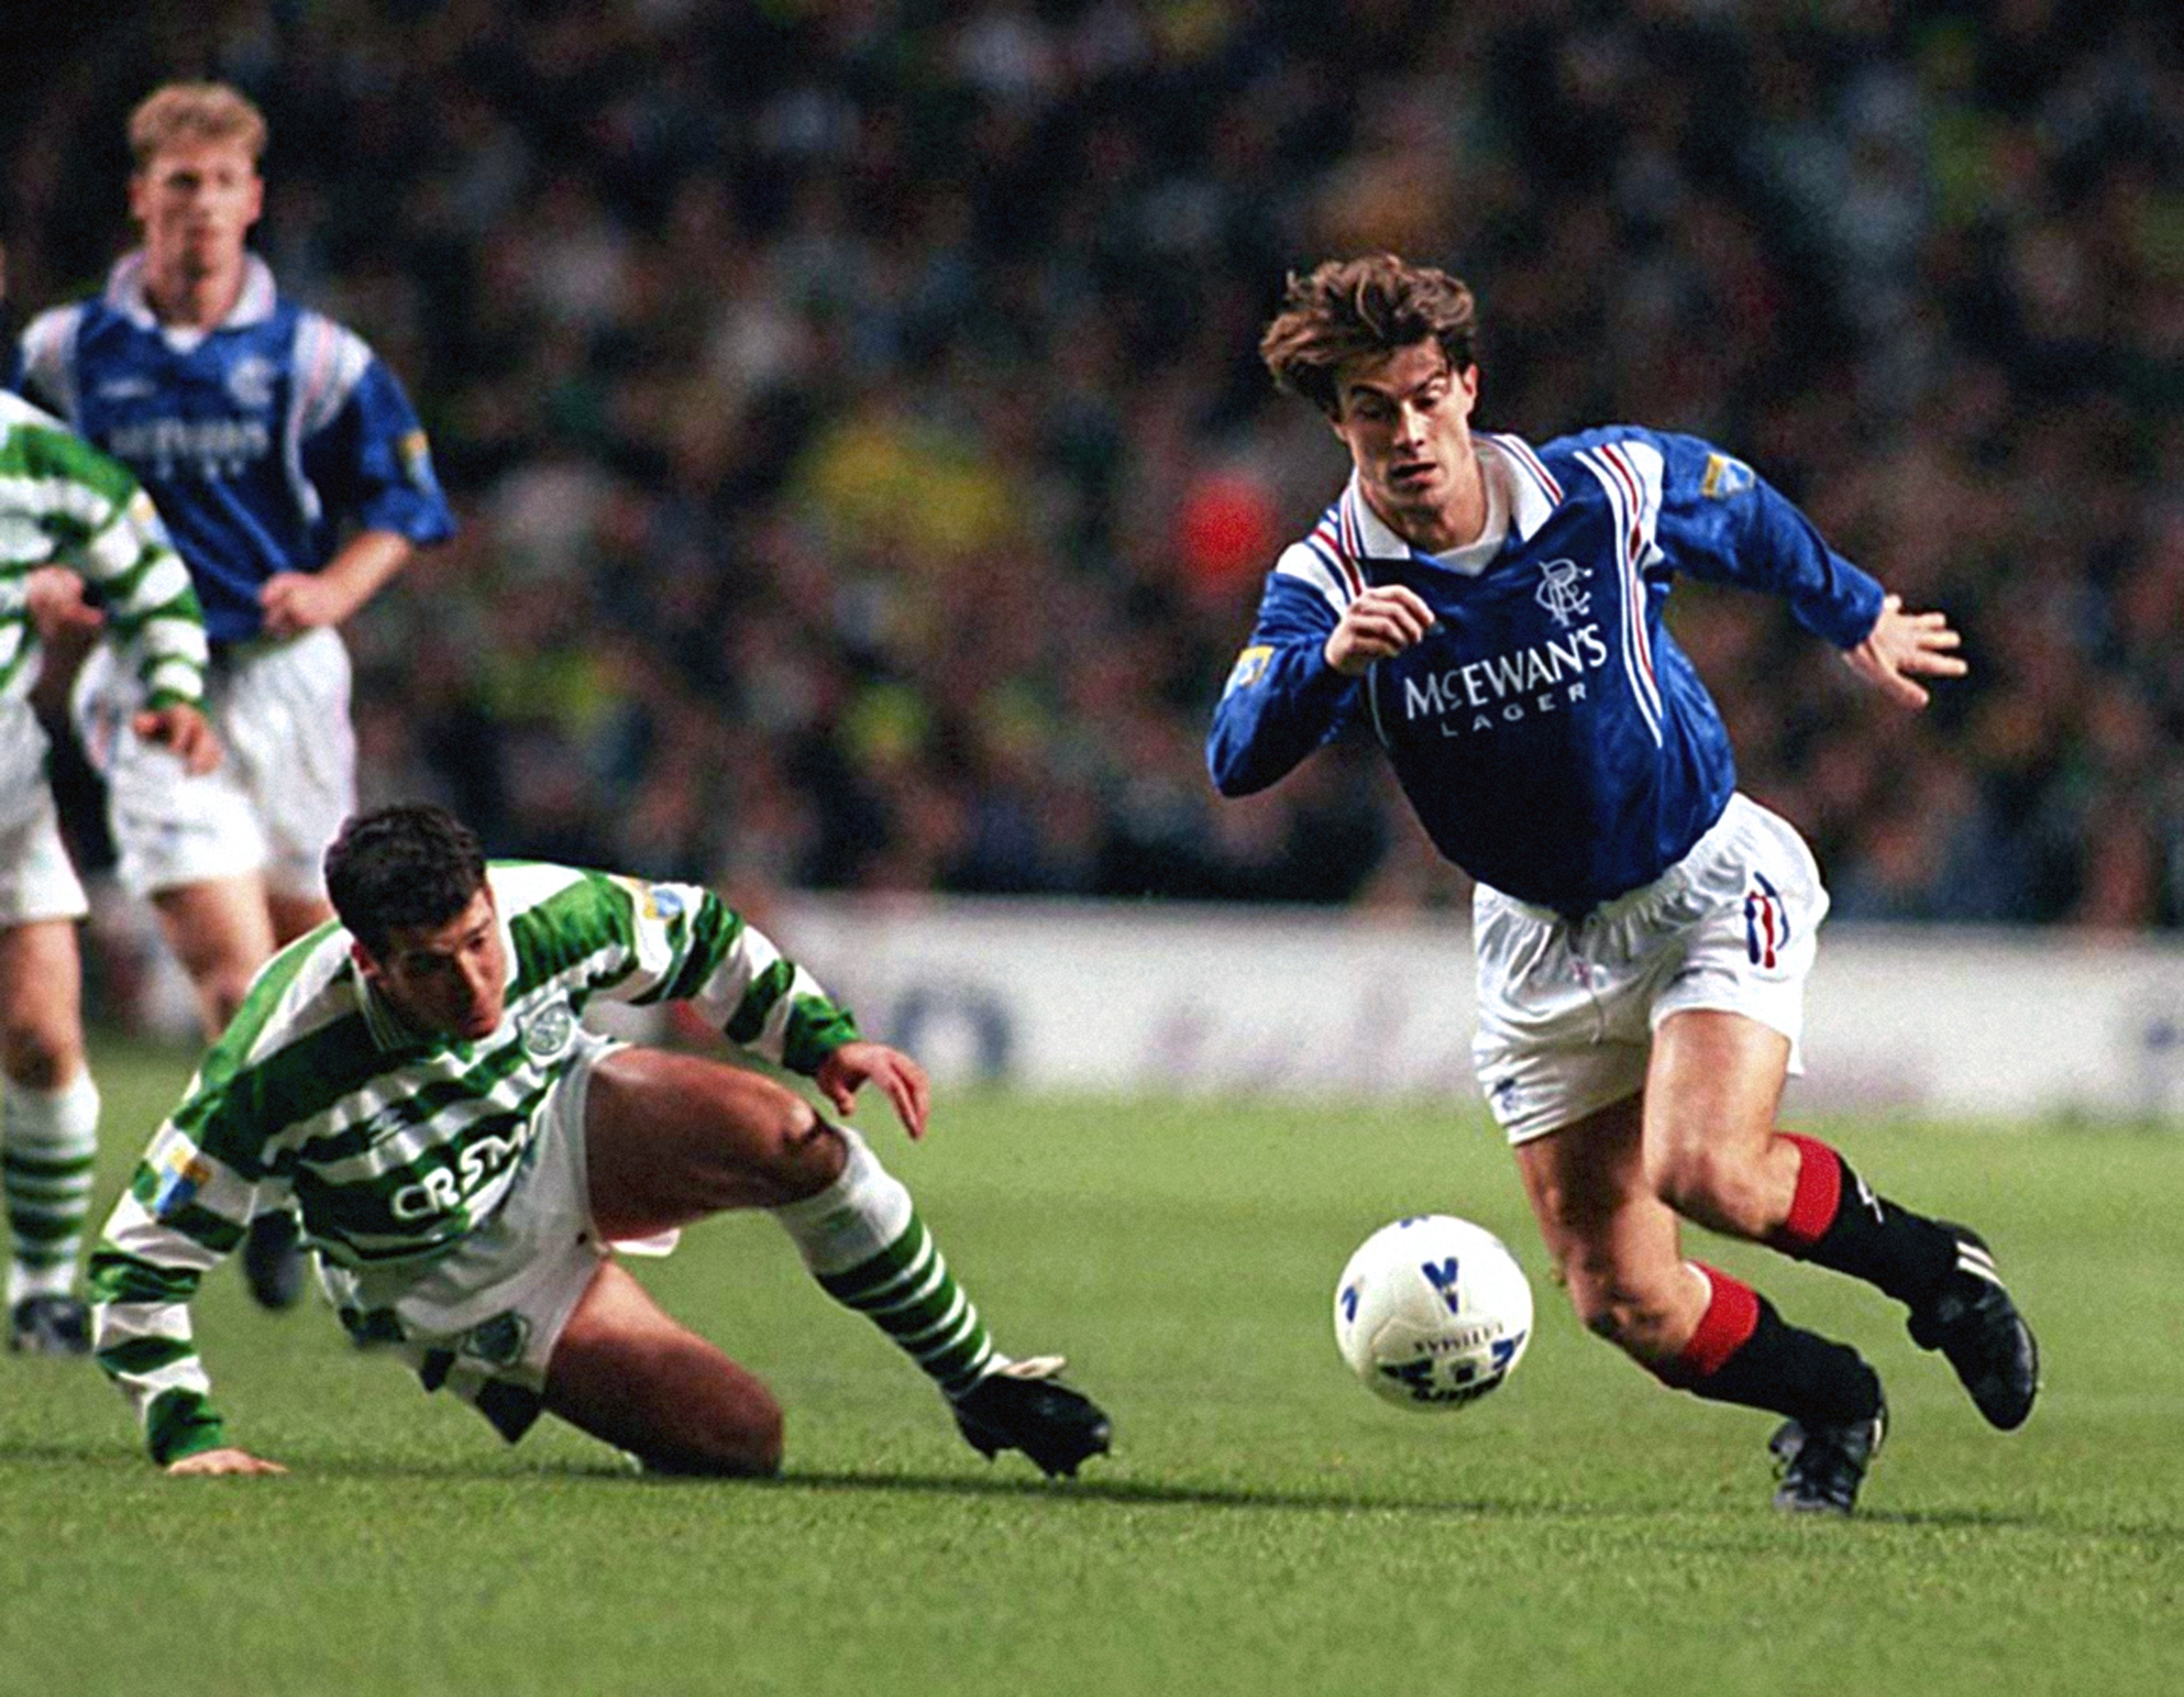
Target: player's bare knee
1606,1312
803,1154
39,1052
731,1455
746,1445
1623,1310
770,1142
1716,1188
1591,1291
759,1446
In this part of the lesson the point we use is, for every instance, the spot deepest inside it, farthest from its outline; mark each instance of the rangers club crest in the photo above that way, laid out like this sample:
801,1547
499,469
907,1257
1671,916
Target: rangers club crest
1559,591
250,382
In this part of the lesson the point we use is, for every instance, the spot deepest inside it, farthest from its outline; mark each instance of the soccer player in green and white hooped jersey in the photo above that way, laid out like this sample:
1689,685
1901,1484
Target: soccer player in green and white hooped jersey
62,501
465,1156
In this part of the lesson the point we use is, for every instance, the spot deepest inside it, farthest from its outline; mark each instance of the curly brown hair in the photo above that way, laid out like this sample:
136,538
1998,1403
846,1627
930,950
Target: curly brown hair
1344,310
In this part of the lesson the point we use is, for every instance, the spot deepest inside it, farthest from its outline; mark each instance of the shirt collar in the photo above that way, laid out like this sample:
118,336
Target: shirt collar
1364,533
1532,493
389,1029
124,294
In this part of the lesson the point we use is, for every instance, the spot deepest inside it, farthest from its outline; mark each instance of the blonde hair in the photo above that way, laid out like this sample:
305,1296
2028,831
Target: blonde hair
1346,308
194,112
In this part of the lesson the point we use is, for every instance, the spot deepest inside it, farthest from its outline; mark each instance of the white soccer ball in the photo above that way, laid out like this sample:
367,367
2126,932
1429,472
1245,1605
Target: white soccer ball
1433,1312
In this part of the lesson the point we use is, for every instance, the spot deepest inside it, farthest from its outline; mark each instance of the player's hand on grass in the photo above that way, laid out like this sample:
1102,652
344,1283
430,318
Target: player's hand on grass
207,1463
901,1080
55,597
1902,644
185,730
1383,620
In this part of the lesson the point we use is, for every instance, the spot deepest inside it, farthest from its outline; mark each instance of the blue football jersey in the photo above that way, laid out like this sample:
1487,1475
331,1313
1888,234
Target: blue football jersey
1553,740
262,441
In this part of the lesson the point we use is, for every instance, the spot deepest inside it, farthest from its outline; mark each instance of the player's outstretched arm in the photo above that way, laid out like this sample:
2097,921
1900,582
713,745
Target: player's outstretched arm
206,1463
901,1080
1902,647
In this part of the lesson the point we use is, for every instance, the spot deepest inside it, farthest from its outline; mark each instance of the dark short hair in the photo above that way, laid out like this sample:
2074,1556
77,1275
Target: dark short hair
1370,307
396,867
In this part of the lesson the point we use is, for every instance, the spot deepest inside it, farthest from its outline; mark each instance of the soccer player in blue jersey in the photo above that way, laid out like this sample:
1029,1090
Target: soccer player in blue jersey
291,472
1493,611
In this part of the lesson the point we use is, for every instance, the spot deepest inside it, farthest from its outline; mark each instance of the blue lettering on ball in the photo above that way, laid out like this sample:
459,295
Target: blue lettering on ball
1442,1278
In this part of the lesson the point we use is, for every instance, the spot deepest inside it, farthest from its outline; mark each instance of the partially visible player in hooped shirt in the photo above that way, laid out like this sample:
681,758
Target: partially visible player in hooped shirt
62,500
1493,610
293,475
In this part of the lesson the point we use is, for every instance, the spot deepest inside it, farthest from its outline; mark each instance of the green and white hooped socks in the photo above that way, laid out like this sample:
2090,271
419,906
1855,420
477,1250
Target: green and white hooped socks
864,1243
49,1152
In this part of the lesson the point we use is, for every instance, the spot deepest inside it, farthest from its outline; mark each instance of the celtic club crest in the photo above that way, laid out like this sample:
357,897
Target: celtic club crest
548,1031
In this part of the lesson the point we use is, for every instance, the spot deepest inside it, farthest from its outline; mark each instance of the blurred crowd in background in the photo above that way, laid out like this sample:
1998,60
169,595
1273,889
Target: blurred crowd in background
867,474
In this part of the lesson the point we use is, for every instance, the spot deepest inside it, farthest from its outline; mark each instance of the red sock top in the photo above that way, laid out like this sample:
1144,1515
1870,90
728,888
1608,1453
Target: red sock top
1819,1194
1731,1316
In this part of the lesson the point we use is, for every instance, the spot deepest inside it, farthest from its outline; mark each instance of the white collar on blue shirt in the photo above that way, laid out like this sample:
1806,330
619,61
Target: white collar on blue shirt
124,294
1511,466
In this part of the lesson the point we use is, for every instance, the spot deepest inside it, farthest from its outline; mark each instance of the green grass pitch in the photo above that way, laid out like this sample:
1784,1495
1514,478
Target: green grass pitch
1263,1526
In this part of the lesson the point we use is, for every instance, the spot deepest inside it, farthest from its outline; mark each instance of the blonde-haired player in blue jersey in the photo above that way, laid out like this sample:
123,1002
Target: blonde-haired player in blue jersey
1643,932
291,472
466,1156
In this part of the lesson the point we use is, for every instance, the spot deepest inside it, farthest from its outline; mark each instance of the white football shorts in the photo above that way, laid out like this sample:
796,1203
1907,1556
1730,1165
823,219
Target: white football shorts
481,1321
1568,1011
38,881
279,796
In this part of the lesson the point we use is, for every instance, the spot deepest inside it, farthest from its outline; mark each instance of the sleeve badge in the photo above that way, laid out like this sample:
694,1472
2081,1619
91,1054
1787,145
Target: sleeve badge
1726,477
1250,666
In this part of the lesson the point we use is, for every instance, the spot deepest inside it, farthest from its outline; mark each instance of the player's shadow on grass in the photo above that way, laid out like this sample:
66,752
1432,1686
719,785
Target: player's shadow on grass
1133,1493
306,1468
1139,1492
1022,1486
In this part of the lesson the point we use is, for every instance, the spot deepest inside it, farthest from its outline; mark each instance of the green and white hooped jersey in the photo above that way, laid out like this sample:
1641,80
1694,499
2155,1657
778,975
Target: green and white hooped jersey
62,502
392,1145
